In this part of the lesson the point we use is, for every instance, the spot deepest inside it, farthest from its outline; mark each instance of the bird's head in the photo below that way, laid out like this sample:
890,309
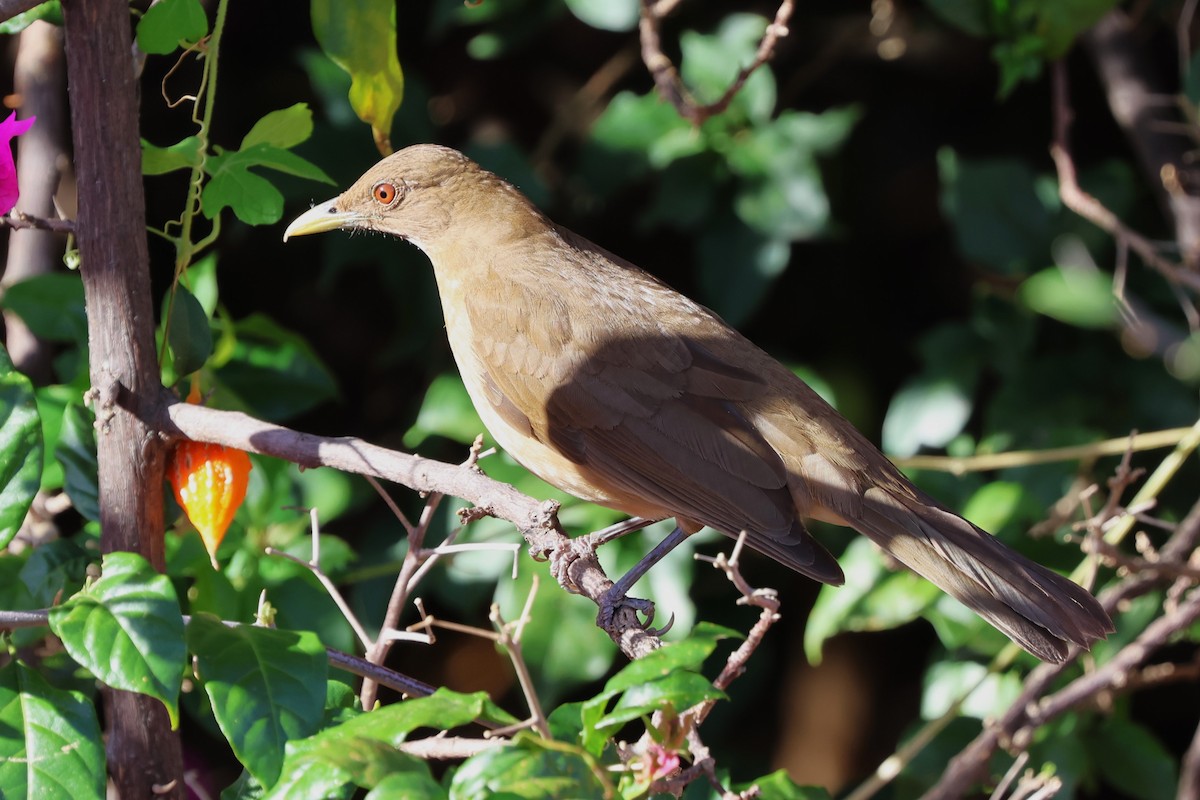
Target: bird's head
418,194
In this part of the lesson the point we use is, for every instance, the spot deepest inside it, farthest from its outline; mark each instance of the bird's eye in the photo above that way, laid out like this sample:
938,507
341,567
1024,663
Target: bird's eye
385,193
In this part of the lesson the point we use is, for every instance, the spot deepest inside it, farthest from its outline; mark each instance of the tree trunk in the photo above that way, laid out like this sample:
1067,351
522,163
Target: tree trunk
144,757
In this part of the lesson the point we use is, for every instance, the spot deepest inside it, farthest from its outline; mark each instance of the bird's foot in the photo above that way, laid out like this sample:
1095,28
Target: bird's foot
564,555
615,599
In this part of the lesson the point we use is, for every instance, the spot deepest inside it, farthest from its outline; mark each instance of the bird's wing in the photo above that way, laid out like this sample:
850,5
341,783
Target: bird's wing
645,411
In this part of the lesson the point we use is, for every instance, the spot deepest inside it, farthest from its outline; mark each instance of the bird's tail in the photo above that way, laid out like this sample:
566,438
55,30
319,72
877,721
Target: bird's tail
1038,609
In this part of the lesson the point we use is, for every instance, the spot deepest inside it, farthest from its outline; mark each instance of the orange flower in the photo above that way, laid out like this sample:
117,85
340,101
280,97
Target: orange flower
210,484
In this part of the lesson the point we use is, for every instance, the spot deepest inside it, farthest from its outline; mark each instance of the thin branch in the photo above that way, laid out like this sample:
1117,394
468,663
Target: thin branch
666,76
19,220
1021,458
537,521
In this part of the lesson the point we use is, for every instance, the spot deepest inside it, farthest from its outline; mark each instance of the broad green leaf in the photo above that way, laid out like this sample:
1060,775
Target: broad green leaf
51,12
1001,217
645,125
526,770
266,687
360,37
677,691
413,785
1132,760
50,743
184,154
167,23
871,599
998,503
779,786
990,692
51,305
927,412
710,64
51,565
251,197
75,451
446,411
738,266
190,336
284,128
275,371
21,452
272,157
607,15
127,630
1074,295
362,751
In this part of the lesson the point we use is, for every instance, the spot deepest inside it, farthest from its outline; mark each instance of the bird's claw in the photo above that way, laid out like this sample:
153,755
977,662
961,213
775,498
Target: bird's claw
615,599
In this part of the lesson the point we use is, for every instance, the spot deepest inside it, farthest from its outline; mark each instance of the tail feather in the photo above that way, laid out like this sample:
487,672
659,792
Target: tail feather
1037,608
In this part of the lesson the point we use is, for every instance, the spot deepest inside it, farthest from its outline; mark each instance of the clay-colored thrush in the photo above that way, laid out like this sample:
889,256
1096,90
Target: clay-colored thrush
616,389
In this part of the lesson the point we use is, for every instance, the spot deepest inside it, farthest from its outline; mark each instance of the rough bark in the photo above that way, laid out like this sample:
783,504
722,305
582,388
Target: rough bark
143,754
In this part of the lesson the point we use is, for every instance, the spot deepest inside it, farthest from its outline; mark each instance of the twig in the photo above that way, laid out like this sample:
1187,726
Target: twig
359,631
511,642
537,521
1091,209
19,220
1019,458
666,76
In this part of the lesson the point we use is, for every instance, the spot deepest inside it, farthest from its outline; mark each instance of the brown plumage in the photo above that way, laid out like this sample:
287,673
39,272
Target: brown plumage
617,389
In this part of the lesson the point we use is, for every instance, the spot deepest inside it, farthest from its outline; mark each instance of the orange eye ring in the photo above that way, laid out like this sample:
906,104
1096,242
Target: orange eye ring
385,193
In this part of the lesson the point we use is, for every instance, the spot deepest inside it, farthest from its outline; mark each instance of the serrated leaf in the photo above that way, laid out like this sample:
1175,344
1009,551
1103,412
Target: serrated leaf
21,448
1075,295
184,154
51,305
190,336
167,23
76,453
127,630
50,743
266,687
526,770
284,128
360,37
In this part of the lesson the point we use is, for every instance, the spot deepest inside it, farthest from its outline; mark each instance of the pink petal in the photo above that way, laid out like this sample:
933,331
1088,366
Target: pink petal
10,128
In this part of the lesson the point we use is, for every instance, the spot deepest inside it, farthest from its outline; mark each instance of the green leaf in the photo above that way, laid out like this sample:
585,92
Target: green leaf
50,742
168,23
710,64
127,630
927,412
253,199
779,786
360,37
75,451
677,691
990,692
447,411
275,371
414,785
284,128
51,565
607,15
871,599
1001,217
1075,295
645,125
738,266
526,770
266,686
184,154
996,504
190,336
1132,760
362,751
21,448
51,12
51,305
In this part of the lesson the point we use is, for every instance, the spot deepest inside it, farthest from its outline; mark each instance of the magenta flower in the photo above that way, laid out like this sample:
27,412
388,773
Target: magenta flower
9,130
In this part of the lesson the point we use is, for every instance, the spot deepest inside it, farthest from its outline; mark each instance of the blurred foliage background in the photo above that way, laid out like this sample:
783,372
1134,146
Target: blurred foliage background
877,207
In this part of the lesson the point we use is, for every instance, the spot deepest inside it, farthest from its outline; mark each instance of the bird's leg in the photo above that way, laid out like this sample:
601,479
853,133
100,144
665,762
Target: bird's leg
618,596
